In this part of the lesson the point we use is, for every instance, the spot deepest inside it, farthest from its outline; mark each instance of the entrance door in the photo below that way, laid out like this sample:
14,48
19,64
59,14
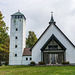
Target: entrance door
53,58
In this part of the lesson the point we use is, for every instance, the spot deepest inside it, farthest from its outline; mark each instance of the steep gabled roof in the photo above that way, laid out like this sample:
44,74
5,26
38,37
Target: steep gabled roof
50,23
55,39
45,32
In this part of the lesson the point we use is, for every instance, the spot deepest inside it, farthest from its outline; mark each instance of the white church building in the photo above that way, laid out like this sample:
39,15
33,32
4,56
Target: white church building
52,47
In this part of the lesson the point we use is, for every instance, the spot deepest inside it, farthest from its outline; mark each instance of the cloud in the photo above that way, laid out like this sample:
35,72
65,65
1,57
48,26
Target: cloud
37,13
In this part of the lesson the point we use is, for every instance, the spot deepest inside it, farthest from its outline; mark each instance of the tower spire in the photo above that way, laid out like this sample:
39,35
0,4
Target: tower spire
52,19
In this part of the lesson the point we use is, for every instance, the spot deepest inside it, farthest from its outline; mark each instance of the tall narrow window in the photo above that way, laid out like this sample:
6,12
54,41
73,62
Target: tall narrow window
15,55
16,29
15,46
16,37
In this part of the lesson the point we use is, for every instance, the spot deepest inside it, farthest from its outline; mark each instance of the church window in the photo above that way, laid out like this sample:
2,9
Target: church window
21,16
50,46
16,37
30,58
15,16
15,55
16,29
15,46
18,16
53,46
26,58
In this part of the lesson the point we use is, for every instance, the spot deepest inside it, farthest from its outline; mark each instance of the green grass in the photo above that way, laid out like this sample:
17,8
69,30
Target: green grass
39,70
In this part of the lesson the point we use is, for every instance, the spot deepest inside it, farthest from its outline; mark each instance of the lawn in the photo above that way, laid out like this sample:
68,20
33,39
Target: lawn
39,70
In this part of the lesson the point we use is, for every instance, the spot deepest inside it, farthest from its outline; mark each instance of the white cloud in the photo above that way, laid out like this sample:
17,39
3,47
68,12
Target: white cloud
37,13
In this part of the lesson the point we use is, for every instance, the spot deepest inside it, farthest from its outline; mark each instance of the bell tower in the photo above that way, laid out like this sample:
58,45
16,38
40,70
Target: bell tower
17,38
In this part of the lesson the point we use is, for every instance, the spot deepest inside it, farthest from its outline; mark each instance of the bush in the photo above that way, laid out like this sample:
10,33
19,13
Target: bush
0,63
6,63
32,63
65,62
42,63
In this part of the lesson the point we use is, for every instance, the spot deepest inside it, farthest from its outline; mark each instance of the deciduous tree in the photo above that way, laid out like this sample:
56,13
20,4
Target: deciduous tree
31,39
4,38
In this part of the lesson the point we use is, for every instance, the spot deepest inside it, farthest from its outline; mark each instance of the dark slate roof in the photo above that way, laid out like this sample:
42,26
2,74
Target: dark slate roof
53,37
18,14
27,52
46,30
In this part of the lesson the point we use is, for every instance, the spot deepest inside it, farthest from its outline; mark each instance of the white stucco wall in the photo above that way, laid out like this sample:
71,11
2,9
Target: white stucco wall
20,41
70,50
26,62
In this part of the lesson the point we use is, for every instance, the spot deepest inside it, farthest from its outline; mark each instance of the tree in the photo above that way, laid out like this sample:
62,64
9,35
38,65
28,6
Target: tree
30,41
3,39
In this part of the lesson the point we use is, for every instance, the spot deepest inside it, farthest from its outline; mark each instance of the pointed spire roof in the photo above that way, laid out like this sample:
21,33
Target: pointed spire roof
52,19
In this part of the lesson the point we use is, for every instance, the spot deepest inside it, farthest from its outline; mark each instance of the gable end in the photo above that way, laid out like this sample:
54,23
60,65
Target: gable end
46,30
53,37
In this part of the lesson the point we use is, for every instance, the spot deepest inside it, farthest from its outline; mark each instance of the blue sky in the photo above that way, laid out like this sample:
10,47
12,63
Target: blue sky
38,12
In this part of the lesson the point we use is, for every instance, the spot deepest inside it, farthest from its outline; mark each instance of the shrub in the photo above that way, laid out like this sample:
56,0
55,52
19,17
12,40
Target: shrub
6,63
0,63
41,63
32,63
65,62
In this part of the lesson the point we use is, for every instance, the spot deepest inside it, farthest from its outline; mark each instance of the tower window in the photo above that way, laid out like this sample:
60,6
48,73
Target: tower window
30,58
26,58
16,29
13,16
16,37
15,46
21,16
15,55
17,16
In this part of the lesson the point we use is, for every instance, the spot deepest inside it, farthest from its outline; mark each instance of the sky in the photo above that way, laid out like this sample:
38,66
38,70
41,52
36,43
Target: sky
38,14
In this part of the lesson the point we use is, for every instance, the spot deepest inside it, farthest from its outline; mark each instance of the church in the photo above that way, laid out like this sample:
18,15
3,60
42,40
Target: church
52,47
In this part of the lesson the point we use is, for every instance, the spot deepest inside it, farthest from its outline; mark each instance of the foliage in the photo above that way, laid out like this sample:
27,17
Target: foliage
65,62
0,63
4,40
6,63
32,63
30,41
42,63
